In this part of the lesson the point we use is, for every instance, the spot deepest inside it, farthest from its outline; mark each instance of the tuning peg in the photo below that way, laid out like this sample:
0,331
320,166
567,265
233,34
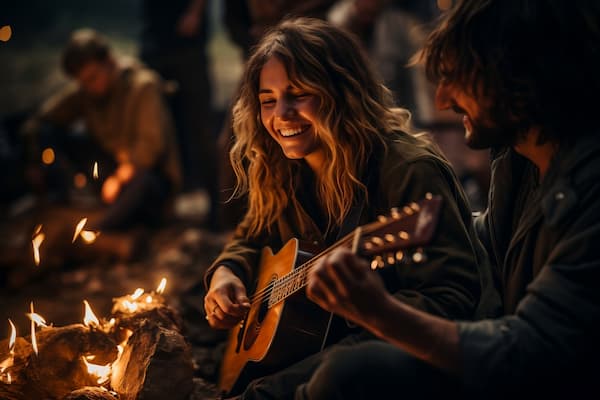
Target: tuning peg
377,262
395,213
368,246
399,256
415,207
403,235
428,196
373,264
391,259
377,241
382,218
419,257
389,238
407,210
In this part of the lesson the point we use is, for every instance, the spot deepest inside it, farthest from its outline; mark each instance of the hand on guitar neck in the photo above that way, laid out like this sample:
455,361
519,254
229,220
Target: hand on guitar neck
226,302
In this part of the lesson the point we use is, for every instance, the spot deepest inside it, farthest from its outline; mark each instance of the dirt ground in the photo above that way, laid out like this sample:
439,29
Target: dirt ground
179,251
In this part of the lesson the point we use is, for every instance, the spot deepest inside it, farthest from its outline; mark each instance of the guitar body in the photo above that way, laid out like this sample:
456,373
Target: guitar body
272,338
282,325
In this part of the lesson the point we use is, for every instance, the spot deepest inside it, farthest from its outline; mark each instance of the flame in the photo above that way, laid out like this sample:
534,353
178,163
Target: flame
95,170
138,292
13,337
161,286
78,229
131,307
37,229
36,243
148,299
102,372
33,339
90,318
38,319
89,237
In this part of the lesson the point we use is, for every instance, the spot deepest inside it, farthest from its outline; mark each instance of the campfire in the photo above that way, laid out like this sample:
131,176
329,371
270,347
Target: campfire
125,356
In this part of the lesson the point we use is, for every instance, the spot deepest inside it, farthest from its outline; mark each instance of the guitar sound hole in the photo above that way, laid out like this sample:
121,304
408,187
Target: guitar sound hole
253,329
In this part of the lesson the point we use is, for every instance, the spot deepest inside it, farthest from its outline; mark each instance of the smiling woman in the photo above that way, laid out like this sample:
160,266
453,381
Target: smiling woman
319,150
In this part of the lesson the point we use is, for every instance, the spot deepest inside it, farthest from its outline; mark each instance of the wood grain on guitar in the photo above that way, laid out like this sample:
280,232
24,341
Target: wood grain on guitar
283,326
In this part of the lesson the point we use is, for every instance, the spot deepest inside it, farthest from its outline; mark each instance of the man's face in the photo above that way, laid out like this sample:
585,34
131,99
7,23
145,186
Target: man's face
481,129
95,77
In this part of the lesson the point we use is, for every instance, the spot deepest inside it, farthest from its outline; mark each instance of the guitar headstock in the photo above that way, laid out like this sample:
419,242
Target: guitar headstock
390,239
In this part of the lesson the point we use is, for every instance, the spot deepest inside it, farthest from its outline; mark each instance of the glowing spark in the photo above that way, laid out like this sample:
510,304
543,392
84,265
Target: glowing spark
102,372
36,242
5,33
138,292
33,339
95,171
89,237
148,299
78,229
161,286
90,318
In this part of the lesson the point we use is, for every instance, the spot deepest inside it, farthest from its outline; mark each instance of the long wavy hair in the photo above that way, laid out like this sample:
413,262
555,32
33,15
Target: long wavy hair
355,113
536,61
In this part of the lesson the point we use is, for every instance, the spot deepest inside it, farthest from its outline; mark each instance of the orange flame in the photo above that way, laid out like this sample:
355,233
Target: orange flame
131,307
90,318
36,242
89,237
102,372
161,286
13,337
38,319
33,339
11,353
78,229
95,171
136,295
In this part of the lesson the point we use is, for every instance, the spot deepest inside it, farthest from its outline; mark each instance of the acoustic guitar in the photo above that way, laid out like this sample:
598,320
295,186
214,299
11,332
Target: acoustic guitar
282,325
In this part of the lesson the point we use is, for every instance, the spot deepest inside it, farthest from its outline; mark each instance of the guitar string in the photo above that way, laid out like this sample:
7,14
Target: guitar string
291,276
304,268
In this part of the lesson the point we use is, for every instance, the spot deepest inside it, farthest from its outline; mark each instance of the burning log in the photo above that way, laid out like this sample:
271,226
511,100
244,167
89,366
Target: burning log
59,366
153,353
91,393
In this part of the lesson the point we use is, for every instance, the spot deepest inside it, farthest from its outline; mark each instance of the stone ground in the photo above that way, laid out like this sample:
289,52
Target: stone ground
179,251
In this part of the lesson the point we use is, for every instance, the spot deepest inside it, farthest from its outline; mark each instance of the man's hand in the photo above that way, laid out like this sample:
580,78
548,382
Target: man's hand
344,284
226,302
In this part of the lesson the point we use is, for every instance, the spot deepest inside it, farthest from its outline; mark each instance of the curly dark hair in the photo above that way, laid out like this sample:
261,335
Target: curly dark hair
538,60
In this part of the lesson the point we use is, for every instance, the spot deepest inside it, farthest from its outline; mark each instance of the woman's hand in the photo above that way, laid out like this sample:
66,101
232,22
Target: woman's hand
226,302
344,284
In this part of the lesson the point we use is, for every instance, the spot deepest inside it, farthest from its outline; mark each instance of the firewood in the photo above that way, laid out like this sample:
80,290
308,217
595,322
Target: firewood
91,393
156,364
58,367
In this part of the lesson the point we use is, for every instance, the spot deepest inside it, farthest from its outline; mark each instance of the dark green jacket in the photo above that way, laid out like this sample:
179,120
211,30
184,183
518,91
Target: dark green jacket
449,283
545,241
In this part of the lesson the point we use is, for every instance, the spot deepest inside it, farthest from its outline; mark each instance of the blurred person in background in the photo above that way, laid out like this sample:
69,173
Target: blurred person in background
120,107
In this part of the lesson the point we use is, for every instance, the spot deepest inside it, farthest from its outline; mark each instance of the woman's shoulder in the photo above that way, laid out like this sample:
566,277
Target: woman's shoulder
406,148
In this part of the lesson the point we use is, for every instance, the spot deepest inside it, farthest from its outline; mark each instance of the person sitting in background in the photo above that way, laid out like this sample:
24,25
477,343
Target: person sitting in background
494,62
121,104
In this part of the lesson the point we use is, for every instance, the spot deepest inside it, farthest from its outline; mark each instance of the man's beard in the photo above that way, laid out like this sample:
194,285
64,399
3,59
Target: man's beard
491,135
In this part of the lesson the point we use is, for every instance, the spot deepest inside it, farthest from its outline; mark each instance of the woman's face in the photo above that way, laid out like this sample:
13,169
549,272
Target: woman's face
289,114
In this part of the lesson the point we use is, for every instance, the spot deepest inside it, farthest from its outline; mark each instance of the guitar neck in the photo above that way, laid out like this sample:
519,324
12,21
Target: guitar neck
295,280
